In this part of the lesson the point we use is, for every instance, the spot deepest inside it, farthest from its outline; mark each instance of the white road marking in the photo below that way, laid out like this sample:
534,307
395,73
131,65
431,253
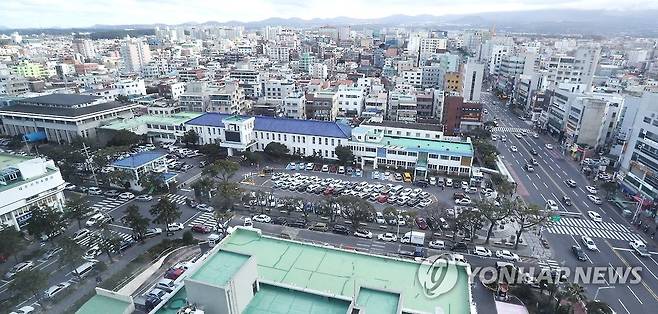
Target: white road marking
624,306
638,299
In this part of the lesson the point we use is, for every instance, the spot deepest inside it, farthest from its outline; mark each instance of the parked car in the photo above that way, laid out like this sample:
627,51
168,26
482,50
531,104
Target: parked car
459,247
421,223
387,237
437,244
94,191
144,198
507,255
126,196
24,310
201,228
340,229
175,226
319,226
482,251
152,232
361,233
262,218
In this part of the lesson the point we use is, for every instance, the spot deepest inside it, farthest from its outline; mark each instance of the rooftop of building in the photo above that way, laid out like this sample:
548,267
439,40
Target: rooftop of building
173,119
278,300
219,269
281,125
103,304
7,160
377,301
63,112
61,99
339,272
406,125
138,160
432,146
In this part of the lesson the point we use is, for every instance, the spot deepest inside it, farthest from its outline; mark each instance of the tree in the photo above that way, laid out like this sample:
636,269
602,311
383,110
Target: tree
138,223
502,185
251,158
213,152
609,187
227,194
203,186
107,241
152,181
344,154
469,221
527,216
11,242
71,254
29,283
119,178
190,137
46,221
572,292
486,152
479,133
355,208
77,208
493,214
276,150
165,212
598,307
327,208
225,169
16,141
125,138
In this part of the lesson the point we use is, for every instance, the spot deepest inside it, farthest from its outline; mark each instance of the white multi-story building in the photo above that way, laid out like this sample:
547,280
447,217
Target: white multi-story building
472,81
131,87
574,71
195,97
135,54
318,70
350,101
85,47
227,99
376,104
513,65
639,164
27,183
413,78
429,46
402,107
294,106
275,90
278,53
249,80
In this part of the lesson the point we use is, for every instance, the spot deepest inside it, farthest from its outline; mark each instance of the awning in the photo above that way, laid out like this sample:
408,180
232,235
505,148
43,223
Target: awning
645,202
35,136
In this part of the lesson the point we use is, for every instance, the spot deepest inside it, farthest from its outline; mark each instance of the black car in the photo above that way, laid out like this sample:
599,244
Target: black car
299,223
126,244
421,183
578,252
340,229
533,152
459,247
279,221
566,200
432,223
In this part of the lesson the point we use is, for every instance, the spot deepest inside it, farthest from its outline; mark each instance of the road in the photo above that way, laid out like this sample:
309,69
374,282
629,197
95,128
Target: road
611,236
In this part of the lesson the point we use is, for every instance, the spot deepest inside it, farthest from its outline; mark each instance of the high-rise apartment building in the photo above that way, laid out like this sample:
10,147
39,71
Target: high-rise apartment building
135,54
472,82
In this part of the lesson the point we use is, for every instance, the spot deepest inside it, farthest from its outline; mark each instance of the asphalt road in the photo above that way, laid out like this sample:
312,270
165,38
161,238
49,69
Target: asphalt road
547,182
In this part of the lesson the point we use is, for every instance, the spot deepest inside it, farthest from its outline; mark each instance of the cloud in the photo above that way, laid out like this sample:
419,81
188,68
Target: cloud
82,13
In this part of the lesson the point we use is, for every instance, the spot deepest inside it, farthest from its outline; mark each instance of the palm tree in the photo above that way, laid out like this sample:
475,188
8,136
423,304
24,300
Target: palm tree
165,212
76,208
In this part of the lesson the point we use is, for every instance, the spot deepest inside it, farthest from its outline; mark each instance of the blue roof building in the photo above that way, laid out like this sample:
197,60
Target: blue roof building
144,163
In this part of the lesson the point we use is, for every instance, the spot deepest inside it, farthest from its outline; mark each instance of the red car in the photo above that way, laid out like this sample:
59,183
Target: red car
201,229
333,168
382,198
174,273
328,191
421,223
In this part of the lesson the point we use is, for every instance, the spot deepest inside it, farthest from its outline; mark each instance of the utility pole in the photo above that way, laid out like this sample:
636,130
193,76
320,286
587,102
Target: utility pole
89,162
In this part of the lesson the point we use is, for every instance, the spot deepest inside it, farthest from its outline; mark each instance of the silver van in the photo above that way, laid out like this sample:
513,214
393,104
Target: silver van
84,269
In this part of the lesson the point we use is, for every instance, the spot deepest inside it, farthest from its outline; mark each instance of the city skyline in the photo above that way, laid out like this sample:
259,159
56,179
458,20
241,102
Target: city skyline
81,13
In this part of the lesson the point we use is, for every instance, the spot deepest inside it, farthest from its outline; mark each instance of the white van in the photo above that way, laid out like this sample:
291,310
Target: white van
84,269
380,218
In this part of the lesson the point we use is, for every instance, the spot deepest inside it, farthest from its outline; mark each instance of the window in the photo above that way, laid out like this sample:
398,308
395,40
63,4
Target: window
444,157
454,158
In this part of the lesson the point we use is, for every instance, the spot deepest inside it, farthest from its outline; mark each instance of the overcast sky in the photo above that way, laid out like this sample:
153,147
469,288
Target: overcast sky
82,13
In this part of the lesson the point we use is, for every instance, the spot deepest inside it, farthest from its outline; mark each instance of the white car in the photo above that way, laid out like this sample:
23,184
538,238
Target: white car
52,291
437,244
363,234
594,216
432,180
248,222
449,182
205,208
463,201
125,196
80,234
175,226
549,146
401,221
507,255
144,198
591,189
387,237
24,310
262,218
551,205
18,268
94,191
97,219
513,148
482,251
595,199
589,243
640,248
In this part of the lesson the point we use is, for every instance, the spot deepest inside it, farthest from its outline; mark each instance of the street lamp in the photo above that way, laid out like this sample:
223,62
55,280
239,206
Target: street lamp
599,289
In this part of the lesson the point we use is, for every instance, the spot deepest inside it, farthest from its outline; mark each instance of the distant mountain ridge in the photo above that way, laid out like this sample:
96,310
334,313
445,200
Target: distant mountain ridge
559,21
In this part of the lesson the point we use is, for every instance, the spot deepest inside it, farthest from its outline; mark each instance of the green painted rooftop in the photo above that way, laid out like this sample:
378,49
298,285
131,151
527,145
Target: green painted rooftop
377,301
102,304
432,146
174,119
175,303
339,272
278,300
220,268
7,160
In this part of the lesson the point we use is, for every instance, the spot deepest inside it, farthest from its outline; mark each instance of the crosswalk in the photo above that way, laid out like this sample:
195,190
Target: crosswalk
605,230
503,129
93,237
107,204
176,198
204,218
